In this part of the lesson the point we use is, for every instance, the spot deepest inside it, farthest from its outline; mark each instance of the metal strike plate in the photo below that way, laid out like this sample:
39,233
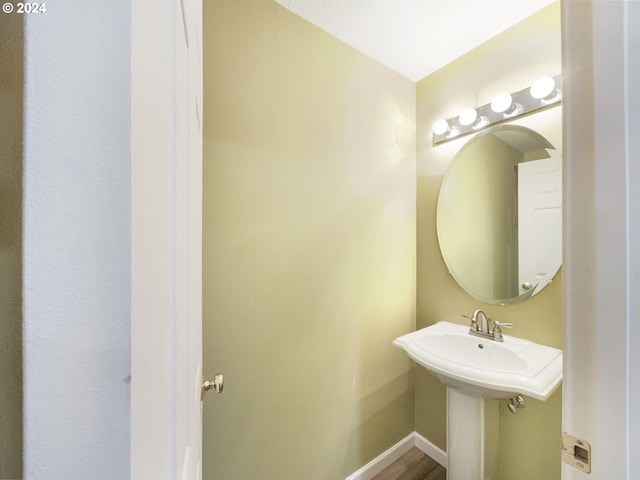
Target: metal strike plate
576,452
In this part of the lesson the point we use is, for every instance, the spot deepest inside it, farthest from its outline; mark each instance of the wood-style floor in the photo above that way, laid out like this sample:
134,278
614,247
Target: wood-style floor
413,465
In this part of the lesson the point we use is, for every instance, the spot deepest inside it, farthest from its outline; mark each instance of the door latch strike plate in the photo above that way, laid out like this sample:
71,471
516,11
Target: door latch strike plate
576,452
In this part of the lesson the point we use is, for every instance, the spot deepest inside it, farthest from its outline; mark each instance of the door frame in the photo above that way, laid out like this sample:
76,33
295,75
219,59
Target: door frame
157,177
151,180
601,270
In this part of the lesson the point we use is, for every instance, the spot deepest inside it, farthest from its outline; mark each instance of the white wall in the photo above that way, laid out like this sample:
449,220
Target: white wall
77,241
632,113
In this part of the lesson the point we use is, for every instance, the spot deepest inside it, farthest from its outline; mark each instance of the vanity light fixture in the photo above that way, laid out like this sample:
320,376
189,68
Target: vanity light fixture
544,93
544,89
468,116
441,127
505,105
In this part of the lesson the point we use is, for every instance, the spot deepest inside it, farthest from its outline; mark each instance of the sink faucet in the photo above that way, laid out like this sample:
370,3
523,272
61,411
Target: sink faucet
481,321
480,327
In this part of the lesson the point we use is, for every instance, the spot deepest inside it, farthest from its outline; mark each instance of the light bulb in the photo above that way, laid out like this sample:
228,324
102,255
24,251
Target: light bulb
543,88
440,127
468,116
501,103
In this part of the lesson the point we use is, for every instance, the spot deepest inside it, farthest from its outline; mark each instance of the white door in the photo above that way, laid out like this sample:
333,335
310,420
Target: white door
539,221
166,341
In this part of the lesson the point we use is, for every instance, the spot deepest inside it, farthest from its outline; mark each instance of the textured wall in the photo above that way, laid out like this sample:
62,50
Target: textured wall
508,62
76,241
309,248
11,79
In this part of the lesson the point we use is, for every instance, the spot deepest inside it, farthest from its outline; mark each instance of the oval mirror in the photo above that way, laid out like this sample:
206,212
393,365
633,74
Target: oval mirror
499,215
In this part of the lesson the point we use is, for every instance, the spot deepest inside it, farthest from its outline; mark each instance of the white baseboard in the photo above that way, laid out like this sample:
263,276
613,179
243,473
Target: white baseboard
383,460
389,456
431,449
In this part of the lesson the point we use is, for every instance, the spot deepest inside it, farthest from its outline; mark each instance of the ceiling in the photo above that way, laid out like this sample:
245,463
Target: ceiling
414,37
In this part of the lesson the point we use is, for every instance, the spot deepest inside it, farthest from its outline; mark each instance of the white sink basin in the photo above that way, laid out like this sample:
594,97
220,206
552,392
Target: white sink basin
482,366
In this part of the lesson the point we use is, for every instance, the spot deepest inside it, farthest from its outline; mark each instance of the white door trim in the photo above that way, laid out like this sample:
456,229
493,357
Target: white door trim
152,251
166,240
602,244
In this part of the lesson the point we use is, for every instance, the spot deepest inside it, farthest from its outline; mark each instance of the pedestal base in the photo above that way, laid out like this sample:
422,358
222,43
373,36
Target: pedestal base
472,436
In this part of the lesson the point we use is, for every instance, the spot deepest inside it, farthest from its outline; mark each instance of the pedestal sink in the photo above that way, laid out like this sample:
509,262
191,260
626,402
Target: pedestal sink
477,373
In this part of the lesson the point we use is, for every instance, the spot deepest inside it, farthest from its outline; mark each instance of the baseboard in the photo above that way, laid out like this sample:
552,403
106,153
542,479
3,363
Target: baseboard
431,449
390,455
383,460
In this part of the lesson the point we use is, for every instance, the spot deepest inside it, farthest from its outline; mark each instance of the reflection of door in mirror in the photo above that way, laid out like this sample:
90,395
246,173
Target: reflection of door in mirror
11,80
539,222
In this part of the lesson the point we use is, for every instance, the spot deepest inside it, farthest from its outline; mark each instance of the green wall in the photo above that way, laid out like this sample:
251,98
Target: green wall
530,441
11,80
309,248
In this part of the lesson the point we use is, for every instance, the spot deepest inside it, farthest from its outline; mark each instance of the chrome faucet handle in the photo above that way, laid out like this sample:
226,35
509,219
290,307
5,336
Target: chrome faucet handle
497,332
502,324
474,322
